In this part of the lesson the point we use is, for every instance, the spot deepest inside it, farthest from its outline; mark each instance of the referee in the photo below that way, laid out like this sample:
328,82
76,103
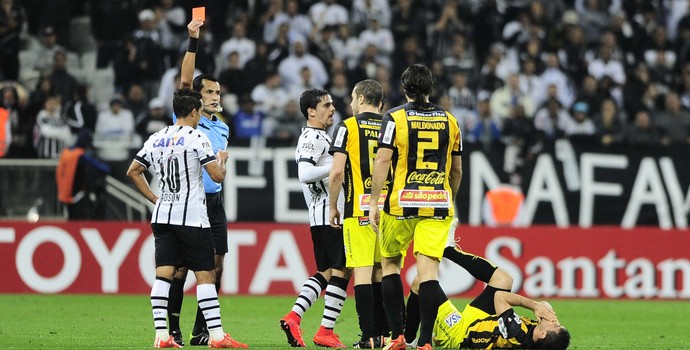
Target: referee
217,131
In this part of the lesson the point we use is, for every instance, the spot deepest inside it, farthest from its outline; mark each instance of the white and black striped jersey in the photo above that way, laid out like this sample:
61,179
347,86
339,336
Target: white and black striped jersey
312,148
177,154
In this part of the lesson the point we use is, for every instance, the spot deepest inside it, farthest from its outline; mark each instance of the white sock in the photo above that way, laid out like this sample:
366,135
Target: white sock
159,306
310,292
208,302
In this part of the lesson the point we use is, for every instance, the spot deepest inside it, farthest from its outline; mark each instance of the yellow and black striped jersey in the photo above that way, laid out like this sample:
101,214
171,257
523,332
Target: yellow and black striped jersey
505,331
423,143
357,138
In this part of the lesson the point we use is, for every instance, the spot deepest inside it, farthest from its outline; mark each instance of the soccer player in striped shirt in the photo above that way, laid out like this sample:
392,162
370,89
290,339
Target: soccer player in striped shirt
217,131
314,165
353,149
180,225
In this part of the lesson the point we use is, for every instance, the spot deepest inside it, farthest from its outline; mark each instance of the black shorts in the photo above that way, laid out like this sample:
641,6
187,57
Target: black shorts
187,246
329,249
219,223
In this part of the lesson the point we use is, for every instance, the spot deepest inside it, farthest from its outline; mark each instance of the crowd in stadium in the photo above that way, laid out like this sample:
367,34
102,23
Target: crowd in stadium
522,72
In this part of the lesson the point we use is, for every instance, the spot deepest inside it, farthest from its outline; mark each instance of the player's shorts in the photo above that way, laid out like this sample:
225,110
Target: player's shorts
329,251
451,325
187,246
430,235
219,224
361,243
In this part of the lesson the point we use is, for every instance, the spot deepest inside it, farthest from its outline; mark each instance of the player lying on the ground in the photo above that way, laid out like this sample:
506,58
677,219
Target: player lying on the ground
489,321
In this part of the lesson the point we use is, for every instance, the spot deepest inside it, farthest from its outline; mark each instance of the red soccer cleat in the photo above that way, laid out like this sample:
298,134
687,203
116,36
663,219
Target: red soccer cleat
396,344
226,343
328,339
290,325
159,343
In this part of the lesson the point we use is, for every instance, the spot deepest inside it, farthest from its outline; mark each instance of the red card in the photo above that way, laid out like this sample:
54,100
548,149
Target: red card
199,13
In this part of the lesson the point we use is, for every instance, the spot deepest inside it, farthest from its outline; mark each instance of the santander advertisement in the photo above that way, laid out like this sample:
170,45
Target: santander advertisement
275,259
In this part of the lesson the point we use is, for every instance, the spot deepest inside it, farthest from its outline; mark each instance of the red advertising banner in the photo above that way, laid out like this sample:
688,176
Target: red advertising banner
275,259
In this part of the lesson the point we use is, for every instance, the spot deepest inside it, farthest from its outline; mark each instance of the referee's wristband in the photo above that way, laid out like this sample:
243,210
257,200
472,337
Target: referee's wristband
192,45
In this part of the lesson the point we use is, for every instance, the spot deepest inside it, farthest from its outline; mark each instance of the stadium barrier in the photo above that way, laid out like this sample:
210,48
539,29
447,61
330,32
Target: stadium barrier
275,259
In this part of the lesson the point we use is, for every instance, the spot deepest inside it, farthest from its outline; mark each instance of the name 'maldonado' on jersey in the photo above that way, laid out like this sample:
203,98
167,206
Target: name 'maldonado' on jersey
312,148
177,154
424,142
357,137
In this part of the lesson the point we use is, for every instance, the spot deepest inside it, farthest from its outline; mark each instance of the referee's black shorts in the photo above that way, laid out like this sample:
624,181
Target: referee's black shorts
178,246
329,250
219,224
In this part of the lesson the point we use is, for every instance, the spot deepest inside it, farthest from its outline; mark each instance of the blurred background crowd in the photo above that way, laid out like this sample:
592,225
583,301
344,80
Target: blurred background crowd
522,73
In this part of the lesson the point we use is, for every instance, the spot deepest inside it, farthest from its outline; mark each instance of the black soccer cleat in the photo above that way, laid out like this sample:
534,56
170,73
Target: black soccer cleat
177,336
198,339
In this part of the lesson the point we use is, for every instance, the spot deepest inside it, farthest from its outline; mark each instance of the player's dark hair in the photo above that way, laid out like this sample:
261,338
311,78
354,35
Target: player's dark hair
186,100
371,90
198,82
554,341
310,99
417,82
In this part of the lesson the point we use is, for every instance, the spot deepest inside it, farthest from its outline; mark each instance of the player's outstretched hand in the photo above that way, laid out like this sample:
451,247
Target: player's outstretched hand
544,311
193,27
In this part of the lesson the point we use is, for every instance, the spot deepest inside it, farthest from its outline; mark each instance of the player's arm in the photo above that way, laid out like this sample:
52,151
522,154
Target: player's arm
136,175
382,165
216,170
505,300
307,171
187,71
455,175
335,179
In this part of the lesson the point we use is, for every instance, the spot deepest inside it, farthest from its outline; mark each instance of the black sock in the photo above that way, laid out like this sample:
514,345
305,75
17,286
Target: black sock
175,303
380,321
393,303
364,302
412,317
429,293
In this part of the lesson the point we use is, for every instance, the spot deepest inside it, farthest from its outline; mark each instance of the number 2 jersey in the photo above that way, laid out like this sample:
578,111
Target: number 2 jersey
423,141
312,148
177,154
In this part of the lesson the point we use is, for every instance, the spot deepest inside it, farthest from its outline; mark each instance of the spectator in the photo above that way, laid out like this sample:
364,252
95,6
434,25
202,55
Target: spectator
239,43
258,67
554,75
609,125
149,51
485,131
152,120
172,28
111,22
11,22
572,54
279,49
345,46
21,121
52,131
552,120
407,23
128,67
233,79
381,38
136,100
321,44
340,92
79,112
460,59
642,132
462,100
289,125
661,59
444,28
519,137
290,68
247,121
580,124
328,12
674,122
62,81
488,80
298,23
593,18
364,11
505,98
531,83
270,97
43,54
113,138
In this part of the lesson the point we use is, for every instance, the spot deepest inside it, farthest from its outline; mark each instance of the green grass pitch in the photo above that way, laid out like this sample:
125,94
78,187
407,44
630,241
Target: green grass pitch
125,322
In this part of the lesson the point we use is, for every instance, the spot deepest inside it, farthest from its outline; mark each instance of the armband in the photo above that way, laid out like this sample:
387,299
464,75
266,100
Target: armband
192,45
